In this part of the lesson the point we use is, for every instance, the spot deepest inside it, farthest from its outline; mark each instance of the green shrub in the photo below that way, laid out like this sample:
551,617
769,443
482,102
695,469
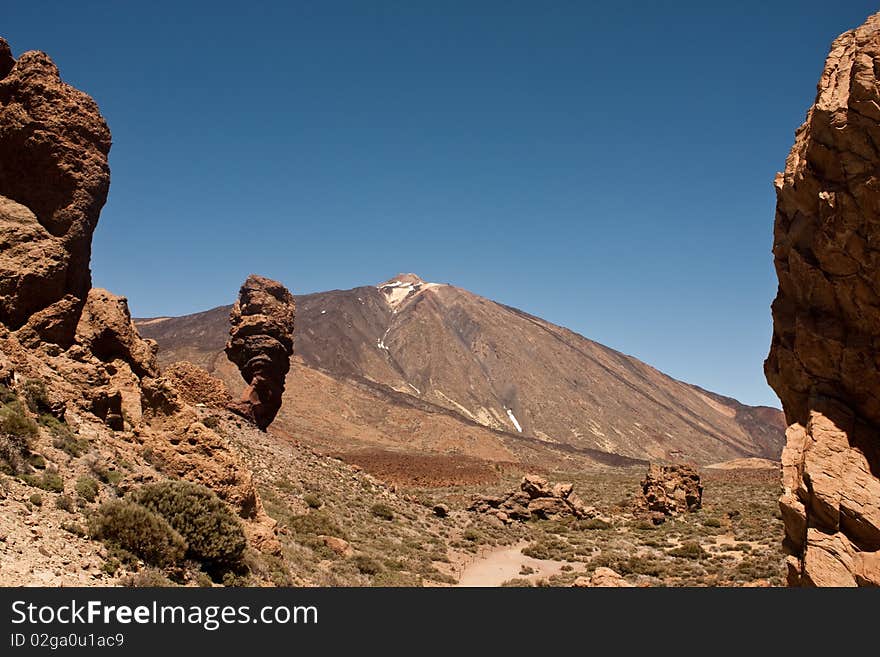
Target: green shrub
49,481
35,395
471,535
689,550
6,394
214,535
65,503
136,529
712,522
382,511
17,431
105,474
594,523
63,437
312,500
87,488
36,499
146,578
315,523
366,564
516,581
74,528
389,578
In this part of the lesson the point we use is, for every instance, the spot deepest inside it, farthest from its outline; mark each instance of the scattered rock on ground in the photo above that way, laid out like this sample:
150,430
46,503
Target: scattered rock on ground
537,499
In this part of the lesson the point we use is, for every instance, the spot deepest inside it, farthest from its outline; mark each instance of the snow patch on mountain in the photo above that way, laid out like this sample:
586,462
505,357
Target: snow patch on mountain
513,419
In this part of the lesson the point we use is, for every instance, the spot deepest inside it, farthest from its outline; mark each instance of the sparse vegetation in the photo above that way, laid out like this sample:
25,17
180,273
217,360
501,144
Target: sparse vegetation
214,536
138,530
382,511
35,395
65,503
312,500
87,488
146,578
49,480
63,437
17,431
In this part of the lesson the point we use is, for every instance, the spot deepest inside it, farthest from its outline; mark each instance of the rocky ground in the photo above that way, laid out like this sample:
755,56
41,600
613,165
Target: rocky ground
339,525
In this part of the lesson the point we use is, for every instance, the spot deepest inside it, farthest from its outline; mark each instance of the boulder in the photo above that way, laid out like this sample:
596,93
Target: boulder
339,545
602,577
608,578
671,489
536,499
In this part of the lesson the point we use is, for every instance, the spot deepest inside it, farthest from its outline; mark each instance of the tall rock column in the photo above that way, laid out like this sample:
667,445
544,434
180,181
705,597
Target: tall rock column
54,180
260,344
824,360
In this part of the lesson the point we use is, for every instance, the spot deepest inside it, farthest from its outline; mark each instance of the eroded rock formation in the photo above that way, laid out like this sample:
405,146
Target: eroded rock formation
536,498
260,344
824,361
53,183
100,378
671,489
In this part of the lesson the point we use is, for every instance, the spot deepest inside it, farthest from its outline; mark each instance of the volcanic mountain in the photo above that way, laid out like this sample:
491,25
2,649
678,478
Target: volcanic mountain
433,367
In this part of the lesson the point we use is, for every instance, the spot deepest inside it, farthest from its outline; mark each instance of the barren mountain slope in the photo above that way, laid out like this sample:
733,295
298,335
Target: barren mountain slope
495,366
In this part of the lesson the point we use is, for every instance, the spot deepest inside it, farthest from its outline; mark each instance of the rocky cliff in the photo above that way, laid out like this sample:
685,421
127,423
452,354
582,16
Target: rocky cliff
824,360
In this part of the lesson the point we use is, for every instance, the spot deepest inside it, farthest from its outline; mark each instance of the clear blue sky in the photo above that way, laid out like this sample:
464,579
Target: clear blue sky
607,166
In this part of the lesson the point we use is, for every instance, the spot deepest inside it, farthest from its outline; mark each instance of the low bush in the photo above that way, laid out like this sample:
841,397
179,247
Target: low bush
35,395
689,550
65,503
49,481
312,500
87,488
17,431
146,578
214,535
382,511
138,530
63,437
315,523
366,564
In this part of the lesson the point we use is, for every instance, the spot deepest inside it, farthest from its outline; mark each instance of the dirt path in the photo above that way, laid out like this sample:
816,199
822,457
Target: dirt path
497,566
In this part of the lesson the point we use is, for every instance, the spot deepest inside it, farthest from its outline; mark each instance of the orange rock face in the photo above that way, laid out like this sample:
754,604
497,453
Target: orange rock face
54,180
824,361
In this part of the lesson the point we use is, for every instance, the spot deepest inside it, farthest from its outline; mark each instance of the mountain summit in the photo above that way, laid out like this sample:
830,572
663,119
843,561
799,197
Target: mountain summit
436,348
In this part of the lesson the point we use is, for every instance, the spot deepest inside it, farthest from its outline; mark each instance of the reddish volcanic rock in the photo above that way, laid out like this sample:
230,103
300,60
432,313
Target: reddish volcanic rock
260,344
824,357
54,179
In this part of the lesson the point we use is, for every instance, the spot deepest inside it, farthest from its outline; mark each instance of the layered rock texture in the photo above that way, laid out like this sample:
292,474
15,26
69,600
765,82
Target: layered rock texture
671,489
54,179
260,344
824,360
